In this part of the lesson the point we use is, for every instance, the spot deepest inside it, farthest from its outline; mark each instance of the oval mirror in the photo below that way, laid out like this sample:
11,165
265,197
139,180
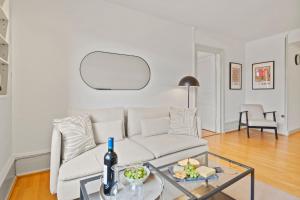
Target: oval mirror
112,71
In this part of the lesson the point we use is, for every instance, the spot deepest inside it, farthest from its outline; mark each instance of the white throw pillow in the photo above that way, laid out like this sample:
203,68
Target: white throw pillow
155,126
135,115
77,136
183,121
104,130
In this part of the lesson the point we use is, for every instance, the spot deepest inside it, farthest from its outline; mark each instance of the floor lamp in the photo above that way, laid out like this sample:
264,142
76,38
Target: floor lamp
189,81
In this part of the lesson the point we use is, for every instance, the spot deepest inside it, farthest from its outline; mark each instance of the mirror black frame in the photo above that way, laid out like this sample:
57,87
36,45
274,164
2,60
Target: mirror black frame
119,55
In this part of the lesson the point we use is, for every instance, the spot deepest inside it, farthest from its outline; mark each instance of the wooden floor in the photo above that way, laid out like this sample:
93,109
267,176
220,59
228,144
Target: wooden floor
32,187
276,163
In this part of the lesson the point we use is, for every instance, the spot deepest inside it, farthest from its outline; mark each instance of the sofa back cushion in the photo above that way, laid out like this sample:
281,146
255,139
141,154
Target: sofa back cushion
155,126
104,130
100,115
135,115
106,122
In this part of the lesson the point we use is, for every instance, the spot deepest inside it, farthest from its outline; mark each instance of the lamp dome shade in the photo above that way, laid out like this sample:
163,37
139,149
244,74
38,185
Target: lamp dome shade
188,81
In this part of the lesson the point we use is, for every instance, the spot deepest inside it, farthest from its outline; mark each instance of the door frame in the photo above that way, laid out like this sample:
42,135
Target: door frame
220,82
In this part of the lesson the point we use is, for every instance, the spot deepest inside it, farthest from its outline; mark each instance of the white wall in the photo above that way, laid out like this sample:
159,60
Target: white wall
40,58
268,49
293,88
294,36
49,48
123,30
5,121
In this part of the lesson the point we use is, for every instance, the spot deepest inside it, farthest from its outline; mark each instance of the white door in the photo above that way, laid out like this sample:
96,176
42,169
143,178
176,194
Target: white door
206,101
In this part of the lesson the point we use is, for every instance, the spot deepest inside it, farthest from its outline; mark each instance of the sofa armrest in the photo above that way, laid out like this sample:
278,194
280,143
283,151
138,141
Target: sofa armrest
199,127
55,159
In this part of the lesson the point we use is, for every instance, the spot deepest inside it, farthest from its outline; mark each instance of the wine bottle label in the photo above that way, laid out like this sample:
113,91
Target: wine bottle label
105,177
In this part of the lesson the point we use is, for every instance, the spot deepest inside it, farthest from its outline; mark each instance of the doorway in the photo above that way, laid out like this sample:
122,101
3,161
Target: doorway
209,97
206,101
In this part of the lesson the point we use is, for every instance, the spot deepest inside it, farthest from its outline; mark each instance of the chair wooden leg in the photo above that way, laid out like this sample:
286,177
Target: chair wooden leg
248,132
262,130
276,134
240,121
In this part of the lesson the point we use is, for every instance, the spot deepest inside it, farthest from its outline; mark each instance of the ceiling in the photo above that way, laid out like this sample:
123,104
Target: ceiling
243,19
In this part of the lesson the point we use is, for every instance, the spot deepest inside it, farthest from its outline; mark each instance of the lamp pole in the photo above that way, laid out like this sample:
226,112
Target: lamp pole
188,96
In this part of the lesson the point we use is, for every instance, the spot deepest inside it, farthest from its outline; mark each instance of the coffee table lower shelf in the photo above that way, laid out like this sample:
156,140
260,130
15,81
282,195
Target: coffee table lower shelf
198,192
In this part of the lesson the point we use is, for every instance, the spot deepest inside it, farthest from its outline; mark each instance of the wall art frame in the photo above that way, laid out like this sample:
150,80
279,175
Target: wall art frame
235,76
263,75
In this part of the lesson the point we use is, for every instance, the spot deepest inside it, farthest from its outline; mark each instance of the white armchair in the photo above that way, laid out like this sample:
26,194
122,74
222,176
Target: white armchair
253,116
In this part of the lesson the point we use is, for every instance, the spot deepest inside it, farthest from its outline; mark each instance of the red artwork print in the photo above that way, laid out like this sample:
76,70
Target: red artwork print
263,75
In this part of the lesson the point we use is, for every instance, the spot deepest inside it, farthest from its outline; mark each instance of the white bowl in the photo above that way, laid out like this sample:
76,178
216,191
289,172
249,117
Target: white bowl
138,181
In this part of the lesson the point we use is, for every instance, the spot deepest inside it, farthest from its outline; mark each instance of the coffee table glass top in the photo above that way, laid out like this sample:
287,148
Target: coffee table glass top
172,188
155,187
231,172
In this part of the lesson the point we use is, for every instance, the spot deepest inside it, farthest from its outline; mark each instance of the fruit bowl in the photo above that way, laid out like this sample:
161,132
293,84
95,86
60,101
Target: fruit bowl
136,174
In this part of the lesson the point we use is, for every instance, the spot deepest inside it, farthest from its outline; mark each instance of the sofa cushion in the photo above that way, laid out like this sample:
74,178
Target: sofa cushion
84,165
156,126
101,115
104,130
135,115
128,152
161,145
91,162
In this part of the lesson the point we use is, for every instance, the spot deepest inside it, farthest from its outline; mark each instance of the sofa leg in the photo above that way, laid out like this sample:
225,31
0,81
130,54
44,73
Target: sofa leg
276,134
248,132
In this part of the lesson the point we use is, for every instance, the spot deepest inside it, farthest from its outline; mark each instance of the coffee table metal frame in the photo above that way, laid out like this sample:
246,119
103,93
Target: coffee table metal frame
248,171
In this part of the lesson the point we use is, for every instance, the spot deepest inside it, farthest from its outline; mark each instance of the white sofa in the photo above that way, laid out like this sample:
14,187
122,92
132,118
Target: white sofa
64,178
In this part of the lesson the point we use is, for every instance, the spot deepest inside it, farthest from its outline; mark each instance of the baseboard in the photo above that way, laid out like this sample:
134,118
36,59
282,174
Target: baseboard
19,156
11,188
231,126
293,131
20,165
6,168
32,162
7,178
33,172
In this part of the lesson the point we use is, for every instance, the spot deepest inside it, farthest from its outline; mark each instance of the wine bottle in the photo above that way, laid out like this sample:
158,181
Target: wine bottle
110,159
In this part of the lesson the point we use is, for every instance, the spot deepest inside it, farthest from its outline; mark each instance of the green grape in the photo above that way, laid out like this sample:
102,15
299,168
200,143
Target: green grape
135,173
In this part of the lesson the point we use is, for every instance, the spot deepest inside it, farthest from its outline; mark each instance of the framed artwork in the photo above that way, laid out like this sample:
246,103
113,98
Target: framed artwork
235,76
3,79
263,75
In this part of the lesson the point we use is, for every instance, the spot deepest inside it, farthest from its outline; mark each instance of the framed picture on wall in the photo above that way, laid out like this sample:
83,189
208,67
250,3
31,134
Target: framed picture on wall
263,75
235,76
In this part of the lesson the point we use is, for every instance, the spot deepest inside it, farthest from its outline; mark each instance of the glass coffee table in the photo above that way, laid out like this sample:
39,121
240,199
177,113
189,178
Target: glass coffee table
169,187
